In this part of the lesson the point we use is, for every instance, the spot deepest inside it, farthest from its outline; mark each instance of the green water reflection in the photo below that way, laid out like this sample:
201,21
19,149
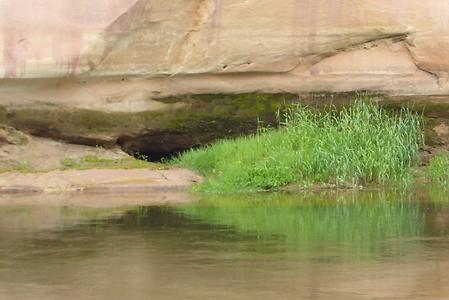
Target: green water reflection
334,245
362,222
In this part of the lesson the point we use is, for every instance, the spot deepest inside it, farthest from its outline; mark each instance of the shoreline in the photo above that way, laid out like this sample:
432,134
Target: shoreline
98,181
121,182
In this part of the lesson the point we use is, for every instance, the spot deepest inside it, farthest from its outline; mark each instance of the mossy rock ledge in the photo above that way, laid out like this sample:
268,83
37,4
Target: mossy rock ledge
194,120
184,122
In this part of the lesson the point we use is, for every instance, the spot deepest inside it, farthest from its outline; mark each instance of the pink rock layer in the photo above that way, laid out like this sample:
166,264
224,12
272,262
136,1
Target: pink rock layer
400,47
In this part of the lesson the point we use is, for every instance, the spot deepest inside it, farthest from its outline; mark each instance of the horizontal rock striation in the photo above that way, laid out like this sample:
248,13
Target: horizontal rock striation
200,46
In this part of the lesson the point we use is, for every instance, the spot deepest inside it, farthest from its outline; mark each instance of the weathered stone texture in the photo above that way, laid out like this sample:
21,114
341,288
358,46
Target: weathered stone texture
399,47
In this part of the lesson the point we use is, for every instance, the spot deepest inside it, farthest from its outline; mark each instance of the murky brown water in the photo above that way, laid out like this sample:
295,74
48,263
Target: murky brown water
314,246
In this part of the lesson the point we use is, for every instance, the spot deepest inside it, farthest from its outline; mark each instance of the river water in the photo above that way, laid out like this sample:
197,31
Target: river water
329,245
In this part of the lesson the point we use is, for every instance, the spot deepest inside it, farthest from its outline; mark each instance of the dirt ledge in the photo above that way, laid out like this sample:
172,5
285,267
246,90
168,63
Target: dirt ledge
98,180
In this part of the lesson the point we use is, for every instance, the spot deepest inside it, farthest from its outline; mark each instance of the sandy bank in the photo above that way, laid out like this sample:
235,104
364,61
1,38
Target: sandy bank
97,180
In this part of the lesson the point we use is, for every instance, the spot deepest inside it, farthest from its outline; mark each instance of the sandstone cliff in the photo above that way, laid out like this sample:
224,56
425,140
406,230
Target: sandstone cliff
124,56
232,45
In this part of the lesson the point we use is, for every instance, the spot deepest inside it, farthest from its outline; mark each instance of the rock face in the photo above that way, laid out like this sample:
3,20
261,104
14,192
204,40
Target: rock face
296,45
124,56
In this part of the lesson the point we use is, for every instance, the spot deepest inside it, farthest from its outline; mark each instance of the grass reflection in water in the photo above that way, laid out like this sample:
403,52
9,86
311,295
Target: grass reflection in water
361,221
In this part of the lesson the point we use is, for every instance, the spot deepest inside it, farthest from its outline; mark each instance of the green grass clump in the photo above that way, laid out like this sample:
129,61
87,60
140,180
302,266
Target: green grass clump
438,168
21,167
357,145
97,162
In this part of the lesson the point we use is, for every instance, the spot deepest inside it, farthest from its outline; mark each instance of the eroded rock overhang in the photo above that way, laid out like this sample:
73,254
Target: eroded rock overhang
117,72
